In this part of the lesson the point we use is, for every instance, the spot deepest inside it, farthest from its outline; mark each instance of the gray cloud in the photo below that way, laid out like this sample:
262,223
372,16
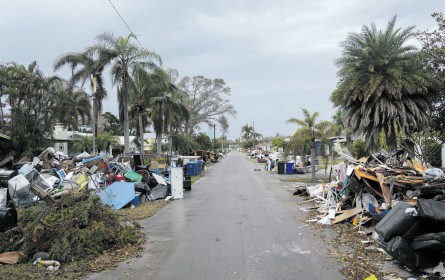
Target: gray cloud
277,56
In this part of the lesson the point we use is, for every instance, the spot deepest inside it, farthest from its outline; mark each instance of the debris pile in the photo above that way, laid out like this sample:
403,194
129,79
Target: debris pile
74,199
398,200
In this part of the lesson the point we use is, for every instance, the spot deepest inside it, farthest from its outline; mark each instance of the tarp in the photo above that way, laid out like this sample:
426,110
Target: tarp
118,194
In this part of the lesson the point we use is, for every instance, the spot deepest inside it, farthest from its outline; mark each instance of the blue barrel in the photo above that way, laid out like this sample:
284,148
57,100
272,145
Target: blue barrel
191,169
289,168
200,165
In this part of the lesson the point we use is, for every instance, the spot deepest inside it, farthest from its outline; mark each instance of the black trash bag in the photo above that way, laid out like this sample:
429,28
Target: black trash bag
8,218
158,192
431,209
142,187
396,222
401,251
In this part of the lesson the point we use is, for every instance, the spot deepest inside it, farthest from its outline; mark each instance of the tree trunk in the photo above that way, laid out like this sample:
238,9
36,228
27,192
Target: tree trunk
125,111
313,160
170,144
2,118
94,123
141,131
391,139
158,142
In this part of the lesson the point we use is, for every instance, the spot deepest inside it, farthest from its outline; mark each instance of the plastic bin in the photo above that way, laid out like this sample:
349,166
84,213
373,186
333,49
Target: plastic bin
281,167
289,168
191,169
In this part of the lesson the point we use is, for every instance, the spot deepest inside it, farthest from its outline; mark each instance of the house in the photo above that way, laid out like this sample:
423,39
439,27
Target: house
63,140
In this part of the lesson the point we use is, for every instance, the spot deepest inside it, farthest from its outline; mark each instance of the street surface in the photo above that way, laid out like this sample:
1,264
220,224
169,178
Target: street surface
233,224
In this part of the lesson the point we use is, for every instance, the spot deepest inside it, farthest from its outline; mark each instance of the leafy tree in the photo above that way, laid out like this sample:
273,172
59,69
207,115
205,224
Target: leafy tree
433,51
311,129
298,144
425,145
111,124
278,142
127,58
359,149
203,141
207,101
383,86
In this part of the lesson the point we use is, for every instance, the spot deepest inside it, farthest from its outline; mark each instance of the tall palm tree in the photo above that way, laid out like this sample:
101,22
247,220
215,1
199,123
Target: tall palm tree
166,104
246,130
139,97
87,67
224,124
29,94
383,86
311,129
127,57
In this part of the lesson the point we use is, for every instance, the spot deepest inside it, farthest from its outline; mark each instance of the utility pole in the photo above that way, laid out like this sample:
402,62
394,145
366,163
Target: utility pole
214,137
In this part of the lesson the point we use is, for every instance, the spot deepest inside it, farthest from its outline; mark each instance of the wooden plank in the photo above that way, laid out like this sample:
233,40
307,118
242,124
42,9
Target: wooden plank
360,174
346,215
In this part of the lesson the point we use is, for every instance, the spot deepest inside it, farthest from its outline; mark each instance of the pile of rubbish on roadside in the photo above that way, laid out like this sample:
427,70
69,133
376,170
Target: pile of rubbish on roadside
400,202
119,182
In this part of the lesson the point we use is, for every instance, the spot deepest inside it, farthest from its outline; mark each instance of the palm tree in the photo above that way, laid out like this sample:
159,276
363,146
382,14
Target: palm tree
71,108
246,130
29,95
312,130
83,144
105,140
224,123
127,58
139,97
383,86
86,67
166,104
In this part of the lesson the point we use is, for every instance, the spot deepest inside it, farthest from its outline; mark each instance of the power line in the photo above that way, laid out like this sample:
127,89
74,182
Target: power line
125,23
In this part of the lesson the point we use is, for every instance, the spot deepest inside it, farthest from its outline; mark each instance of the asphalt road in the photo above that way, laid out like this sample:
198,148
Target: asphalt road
233,224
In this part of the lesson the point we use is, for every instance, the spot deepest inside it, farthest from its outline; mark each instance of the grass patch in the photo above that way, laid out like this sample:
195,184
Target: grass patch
196,178
141,212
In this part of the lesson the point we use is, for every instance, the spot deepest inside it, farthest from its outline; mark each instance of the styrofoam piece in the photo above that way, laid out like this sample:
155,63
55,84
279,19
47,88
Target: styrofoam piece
26,168
176,180
159,179
3,197
18,184
51,180
117,194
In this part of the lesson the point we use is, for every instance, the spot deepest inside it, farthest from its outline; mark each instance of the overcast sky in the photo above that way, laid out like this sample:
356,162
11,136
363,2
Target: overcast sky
277,56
